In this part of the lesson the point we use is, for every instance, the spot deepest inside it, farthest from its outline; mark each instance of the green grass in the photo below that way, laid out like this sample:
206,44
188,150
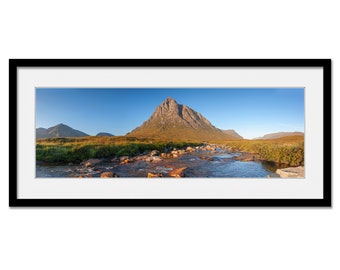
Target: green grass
65,150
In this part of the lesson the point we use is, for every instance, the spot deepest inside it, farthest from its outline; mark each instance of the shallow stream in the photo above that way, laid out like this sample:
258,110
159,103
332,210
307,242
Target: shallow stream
217,164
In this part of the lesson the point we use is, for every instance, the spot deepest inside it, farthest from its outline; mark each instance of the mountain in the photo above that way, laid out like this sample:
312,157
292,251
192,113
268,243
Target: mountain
232,133
41,132
104,134
60,130
277,135
173,121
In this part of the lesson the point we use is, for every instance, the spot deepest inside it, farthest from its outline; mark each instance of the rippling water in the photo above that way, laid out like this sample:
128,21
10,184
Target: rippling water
219,164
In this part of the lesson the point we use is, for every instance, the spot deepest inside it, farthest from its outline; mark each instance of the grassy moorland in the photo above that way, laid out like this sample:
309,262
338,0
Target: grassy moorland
286,150
64,150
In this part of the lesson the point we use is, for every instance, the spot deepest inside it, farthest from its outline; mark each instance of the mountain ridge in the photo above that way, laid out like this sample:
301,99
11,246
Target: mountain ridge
57,131
233,133
280,134
105,134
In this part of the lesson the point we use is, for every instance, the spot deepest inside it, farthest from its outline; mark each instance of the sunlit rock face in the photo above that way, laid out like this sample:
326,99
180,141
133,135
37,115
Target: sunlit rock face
171,120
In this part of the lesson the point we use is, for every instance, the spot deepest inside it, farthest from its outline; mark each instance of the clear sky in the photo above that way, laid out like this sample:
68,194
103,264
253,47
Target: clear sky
251,112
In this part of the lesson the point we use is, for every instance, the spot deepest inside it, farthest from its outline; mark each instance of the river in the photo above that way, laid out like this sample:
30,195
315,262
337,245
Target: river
218,164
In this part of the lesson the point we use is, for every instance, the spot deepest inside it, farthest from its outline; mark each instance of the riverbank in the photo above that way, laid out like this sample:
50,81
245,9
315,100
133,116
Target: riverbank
75,150
208,160
286,150
105,168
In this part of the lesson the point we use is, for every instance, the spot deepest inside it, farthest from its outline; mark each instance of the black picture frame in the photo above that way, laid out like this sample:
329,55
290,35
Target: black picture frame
14,64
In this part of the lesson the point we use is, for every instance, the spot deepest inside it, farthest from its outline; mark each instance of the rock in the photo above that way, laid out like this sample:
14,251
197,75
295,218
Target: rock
143,157
154,153
181,152
247,157
291,172
91,162
206,158
121,159
190,149
126,161
177,172
156,159
154,175
106,175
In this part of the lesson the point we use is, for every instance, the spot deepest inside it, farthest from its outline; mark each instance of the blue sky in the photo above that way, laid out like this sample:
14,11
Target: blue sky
252,112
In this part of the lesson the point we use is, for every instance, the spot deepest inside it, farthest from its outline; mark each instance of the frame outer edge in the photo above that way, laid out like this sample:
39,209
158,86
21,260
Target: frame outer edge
13,129
13,147
327,131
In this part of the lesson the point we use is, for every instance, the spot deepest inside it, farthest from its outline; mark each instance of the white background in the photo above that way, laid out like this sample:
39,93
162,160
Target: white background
168,238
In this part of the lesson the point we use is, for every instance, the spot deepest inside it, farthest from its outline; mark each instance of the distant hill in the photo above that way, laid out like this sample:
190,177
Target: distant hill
104,134
173,121
232,133
57,131
279,135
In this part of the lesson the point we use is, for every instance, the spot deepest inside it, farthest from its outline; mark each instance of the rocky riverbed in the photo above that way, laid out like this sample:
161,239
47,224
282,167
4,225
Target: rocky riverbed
202,161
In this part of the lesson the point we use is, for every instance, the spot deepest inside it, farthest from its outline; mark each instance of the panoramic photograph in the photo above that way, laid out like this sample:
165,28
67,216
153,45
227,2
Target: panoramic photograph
170,132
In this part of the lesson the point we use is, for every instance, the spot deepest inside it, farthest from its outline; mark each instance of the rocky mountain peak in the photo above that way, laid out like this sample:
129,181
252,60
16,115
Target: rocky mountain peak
169,101
172,120
168,106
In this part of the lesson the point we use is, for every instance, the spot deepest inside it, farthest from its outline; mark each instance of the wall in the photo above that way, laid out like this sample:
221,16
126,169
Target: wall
168,238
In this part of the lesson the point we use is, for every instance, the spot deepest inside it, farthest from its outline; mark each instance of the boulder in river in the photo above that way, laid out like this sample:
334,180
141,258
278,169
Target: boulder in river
123,158
126,161
206,158
154,175
247,157
291,172
178,172
156,159
106,175
154,153
91,162
190,149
